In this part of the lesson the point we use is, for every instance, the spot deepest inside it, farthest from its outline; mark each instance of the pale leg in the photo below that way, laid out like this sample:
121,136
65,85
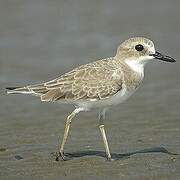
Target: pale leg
102,129
66,131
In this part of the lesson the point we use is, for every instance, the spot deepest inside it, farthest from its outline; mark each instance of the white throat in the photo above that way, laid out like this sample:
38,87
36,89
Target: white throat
136,66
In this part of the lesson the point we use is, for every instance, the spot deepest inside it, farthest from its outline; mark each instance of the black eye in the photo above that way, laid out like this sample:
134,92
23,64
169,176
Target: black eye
139,47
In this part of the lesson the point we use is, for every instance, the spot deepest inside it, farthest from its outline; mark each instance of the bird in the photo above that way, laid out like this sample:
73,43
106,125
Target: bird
98,85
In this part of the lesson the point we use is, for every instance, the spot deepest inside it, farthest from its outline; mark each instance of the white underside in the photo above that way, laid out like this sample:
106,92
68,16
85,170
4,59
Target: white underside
116,99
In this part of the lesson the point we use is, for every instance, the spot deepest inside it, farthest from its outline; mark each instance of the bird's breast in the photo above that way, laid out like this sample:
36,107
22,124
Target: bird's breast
133,80
115,99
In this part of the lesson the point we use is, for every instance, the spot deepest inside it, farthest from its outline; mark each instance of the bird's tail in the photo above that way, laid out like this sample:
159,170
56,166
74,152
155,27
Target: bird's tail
36,90
18,90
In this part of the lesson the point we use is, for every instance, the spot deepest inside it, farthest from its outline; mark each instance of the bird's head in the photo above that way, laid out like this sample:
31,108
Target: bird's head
140,50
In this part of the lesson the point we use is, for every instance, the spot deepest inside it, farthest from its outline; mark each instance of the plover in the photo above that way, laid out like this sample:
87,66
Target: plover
99,84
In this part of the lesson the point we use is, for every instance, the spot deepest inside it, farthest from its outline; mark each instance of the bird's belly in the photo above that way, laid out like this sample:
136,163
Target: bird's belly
118,98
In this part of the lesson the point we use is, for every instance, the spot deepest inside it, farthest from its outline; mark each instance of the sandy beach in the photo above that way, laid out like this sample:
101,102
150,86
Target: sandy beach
40,40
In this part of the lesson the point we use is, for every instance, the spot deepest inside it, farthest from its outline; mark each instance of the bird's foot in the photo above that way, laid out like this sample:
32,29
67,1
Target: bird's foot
61,156
109,159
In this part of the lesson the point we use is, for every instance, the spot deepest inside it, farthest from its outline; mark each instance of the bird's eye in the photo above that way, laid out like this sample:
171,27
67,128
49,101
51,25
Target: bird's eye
139,47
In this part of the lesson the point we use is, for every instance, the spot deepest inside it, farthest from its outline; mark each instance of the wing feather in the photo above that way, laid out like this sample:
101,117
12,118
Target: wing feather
97,80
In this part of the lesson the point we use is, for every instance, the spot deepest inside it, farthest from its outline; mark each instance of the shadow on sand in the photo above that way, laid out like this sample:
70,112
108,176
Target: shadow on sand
116,156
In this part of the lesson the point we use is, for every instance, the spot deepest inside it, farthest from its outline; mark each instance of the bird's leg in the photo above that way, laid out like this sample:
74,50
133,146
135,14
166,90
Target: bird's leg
66,131
102,129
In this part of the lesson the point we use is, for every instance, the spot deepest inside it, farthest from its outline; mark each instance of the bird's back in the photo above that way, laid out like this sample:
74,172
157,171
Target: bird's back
93,81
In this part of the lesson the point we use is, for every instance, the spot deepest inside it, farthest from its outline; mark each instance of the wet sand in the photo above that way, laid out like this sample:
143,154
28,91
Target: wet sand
40,40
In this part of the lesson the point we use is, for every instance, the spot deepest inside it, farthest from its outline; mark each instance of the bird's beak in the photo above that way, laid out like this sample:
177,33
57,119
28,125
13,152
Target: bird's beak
162,57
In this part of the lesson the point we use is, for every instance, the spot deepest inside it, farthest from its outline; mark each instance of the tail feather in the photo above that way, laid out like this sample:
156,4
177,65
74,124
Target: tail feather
12,88
37,90
18,90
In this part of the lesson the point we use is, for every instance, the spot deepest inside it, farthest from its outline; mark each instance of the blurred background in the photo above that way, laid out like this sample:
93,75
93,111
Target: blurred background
42,39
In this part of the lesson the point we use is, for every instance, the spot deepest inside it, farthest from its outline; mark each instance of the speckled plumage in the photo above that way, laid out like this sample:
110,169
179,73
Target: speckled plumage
99,84
94,81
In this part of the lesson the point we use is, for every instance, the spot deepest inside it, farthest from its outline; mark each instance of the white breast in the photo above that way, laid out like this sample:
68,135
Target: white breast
118,98
136,66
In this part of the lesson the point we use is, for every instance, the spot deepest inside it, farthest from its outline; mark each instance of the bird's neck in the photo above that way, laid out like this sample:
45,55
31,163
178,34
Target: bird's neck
133,73
136,66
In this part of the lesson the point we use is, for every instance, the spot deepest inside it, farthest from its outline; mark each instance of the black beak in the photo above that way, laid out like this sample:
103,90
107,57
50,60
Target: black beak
162,57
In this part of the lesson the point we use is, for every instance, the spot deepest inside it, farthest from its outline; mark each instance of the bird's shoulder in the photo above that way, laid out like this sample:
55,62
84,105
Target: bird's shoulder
99,69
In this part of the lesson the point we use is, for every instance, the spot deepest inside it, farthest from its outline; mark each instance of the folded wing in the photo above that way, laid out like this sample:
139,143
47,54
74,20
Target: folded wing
97,80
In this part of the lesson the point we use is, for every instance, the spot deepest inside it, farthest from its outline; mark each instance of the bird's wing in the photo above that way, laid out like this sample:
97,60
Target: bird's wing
97,80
